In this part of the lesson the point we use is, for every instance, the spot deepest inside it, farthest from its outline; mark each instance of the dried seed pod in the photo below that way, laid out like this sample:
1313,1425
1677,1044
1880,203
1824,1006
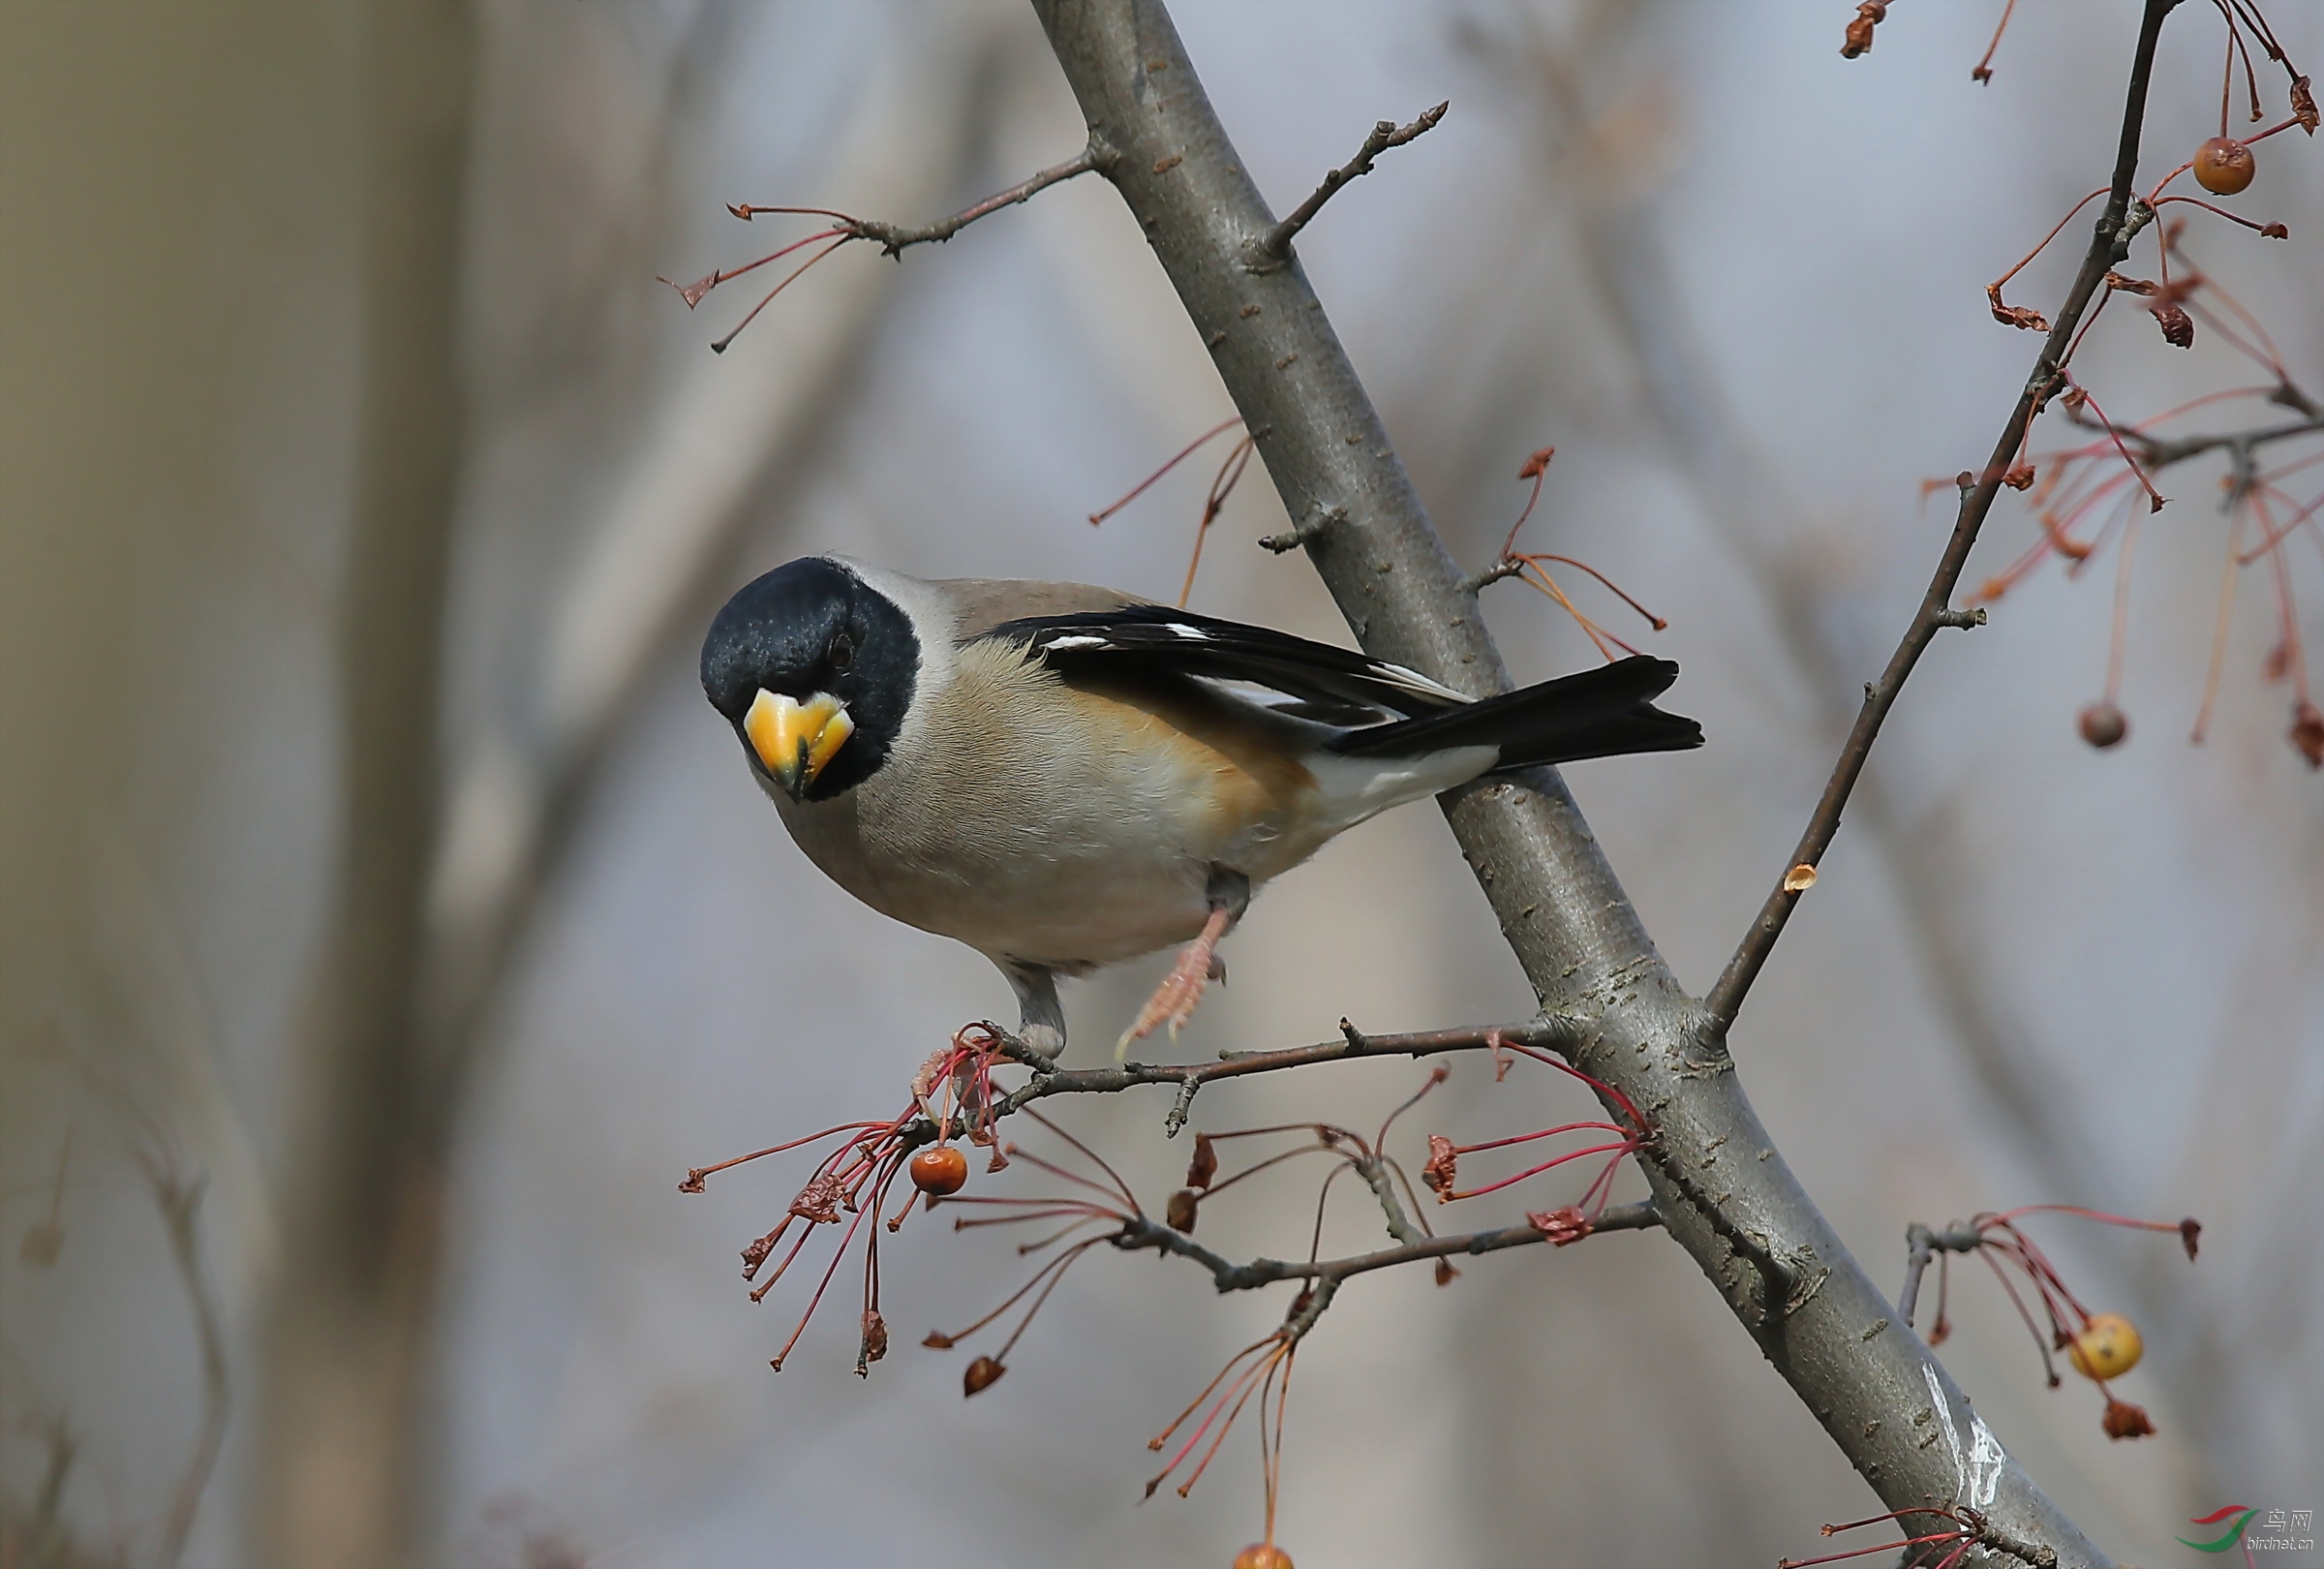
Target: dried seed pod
940,1170
2104,725
1205,1164
2224,165
982,1375
2107,1347
1183,1207
1263,1555
2307,733
2178,327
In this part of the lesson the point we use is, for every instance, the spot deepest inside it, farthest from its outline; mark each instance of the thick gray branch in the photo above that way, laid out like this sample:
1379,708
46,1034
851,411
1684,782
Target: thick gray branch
1719,1186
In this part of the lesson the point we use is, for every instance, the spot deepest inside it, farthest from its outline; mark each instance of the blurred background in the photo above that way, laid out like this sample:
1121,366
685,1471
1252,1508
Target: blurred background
389,925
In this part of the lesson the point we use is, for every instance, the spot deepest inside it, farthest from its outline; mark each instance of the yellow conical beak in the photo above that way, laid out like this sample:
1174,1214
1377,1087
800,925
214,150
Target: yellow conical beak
794,740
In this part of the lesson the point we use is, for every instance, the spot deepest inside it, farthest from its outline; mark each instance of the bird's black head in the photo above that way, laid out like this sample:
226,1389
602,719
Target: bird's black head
814,669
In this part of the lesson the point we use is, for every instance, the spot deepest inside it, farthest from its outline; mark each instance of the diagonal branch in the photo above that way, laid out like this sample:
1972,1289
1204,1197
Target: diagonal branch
1275,245
2123,216
1723,1192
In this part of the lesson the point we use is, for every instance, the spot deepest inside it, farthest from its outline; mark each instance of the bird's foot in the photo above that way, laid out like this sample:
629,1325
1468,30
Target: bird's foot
1174,1001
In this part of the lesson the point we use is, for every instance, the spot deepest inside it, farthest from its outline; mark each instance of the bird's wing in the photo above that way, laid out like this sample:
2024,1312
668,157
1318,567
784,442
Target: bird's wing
1334,684
984,604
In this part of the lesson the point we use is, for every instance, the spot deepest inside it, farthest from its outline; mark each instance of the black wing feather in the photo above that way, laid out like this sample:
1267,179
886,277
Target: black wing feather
1339,682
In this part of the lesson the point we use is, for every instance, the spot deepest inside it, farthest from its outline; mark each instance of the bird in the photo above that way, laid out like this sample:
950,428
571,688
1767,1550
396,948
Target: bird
1063,777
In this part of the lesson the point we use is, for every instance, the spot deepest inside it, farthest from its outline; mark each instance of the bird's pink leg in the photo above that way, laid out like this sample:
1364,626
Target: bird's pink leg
1174,1001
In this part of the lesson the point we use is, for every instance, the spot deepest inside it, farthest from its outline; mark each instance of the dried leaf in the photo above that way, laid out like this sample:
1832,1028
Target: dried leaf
2304,105
1205,1164
1443,1170
1857,41
818,1202
1563,1226
1180,1213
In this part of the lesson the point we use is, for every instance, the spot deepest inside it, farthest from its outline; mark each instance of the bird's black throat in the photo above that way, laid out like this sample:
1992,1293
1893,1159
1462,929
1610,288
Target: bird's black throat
812,625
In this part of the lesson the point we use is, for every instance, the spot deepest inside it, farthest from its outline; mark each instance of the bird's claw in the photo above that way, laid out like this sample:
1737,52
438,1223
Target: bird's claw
1174,1001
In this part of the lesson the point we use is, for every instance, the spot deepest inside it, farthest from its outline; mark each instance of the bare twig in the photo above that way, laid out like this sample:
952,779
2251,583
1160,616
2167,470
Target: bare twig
1048,1081
2122,219
1142,1234
1275,245
893,240
1926,1245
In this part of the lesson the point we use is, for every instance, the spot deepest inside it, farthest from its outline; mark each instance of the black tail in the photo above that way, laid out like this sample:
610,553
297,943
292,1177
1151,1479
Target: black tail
1601,713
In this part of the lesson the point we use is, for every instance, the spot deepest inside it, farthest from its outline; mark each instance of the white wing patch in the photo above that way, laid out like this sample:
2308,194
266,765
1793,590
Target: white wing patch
1179,629
1082,641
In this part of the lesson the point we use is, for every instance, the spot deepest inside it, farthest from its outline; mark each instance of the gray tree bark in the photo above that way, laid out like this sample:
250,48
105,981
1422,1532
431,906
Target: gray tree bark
1724,1192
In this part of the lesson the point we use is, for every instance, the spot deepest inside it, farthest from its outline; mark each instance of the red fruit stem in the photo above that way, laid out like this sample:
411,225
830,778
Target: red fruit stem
719,347
1146,483
1546,1132
1493,1188
821,1287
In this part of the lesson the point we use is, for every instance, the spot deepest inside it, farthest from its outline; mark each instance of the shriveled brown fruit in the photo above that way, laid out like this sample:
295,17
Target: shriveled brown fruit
940,1170
2123,1419
2104,725
2224,165
1184,1208
982,1375
1263,1555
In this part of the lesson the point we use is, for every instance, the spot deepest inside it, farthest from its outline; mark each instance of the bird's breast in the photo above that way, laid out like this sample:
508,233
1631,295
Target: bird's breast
1067,823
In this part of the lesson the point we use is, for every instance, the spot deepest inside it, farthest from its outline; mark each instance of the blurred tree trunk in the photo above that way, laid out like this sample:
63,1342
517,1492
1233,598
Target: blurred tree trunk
342,1479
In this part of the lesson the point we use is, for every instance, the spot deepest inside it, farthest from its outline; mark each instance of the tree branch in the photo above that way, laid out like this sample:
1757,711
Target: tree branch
1275,244
895,238
1926,1246
1722,1191
1141,1234
2110,243
1049,1080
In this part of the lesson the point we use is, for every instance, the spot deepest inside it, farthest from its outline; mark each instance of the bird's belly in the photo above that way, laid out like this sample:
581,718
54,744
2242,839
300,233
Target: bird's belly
1076,856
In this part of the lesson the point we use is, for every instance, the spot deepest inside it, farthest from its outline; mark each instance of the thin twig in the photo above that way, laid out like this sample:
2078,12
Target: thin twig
2109,245
1275,245
893,240
1142,1234
1926,1246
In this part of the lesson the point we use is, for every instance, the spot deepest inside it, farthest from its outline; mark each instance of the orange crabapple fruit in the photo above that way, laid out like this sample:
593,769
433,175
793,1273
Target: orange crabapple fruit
2224,165
2107,1347
1263,1555
939,1171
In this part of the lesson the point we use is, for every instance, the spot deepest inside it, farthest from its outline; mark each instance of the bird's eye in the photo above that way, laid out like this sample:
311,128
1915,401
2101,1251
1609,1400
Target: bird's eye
842,652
